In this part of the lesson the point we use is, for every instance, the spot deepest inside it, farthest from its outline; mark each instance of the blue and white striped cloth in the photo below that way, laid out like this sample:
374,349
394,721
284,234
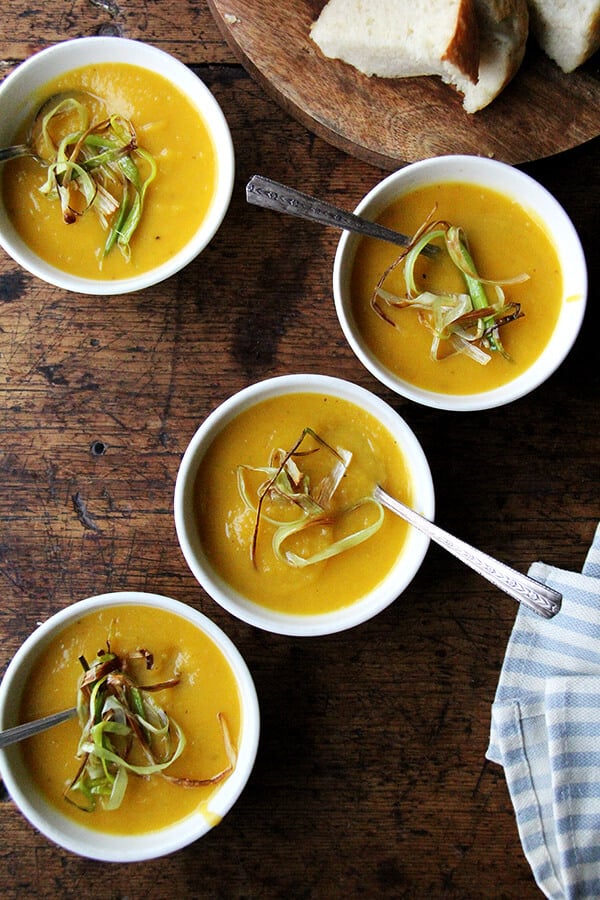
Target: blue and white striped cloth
545,732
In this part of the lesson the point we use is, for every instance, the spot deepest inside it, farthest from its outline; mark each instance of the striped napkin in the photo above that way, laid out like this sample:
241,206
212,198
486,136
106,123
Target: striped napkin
545,732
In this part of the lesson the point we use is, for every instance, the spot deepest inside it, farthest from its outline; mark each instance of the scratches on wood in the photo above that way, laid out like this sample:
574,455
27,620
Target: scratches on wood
80,507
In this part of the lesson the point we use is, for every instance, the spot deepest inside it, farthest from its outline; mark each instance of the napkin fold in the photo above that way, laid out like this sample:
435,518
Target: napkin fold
545,732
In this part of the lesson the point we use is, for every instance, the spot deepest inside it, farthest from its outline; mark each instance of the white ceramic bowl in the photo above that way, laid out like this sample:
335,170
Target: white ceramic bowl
382,595
540,204
19,100
92,843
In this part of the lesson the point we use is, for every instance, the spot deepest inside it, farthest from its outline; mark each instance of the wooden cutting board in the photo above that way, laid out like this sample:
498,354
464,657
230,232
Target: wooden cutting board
392,122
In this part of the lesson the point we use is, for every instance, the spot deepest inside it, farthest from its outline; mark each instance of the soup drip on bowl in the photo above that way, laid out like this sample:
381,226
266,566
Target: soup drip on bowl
165,737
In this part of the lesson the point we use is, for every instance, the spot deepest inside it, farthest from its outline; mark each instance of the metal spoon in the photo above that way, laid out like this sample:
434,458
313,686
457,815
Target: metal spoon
28,148
543,600
20,732
261,191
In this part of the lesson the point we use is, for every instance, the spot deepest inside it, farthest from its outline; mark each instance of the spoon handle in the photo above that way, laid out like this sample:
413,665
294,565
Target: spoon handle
20,732
541,599
14,151
261,191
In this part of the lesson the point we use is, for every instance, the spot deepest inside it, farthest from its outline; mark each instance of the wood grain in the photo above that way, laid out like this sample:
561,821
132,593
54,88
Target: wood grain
371,779
185,28
392,122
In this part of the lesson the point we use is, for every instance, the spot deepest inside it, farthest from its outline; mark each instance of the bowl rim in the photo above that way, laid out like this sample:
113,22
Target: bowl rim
296,625
510,181
94,844
144,55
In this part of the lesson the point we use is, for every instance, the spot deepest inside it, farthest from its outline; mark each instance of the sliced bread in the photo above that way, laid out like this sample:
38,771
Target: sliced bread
567,30
476,46
503,29
402,38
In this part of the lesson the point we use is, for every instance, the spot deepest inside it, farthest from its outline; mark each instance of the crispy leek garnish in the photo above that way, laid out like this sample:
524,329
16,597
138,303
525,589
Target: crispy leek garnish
126,732
97,166
288,500
467,323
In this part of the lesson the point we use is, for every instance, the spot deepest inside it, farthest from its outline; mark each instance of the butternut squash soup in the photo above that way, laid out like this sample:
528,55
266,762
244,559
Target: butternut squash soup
128,176
194,687
284,508
478,314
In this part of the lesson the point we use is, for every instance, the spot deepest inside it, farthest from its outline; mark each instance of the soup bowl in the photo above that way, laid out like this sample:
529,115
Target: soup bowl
26,88
279,616
50,818
541,209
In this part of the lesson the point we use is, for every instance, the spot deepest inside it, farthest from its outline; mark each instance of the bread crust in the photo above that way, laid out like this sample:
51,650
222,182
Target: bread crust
503,31
463,49
484,44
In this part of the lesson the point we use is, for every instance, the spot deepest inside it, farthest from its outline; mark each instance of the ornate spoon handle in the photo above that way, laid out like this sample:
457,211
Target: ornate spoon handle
543,600
20,732
261,191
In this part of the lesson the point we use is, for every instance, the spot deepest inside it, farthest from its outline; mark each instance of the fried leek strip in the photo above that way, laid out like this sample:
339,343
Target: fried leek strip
467,323
97,166
303,505
124,732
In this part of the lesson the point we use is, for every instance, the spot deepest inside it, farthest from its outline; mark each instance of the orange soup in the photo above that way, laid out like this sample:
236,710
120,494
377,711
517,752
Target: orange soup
505,242
176,201
227,524
207,688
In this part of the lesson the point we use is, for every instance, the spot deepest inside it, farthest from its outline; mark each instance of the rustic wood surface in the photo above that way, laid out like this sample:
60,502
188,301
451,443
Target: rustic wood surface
371,778
388,122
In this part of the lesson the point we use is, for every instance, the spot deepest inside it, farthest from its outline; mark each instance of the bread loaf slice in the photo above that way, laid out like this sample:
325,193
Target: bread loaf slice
402,38
567,30
476,46
503,30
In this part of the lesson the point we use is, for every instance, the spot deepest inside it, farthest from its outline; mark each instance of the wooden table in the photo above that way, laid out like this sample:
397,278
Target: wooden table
371,778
